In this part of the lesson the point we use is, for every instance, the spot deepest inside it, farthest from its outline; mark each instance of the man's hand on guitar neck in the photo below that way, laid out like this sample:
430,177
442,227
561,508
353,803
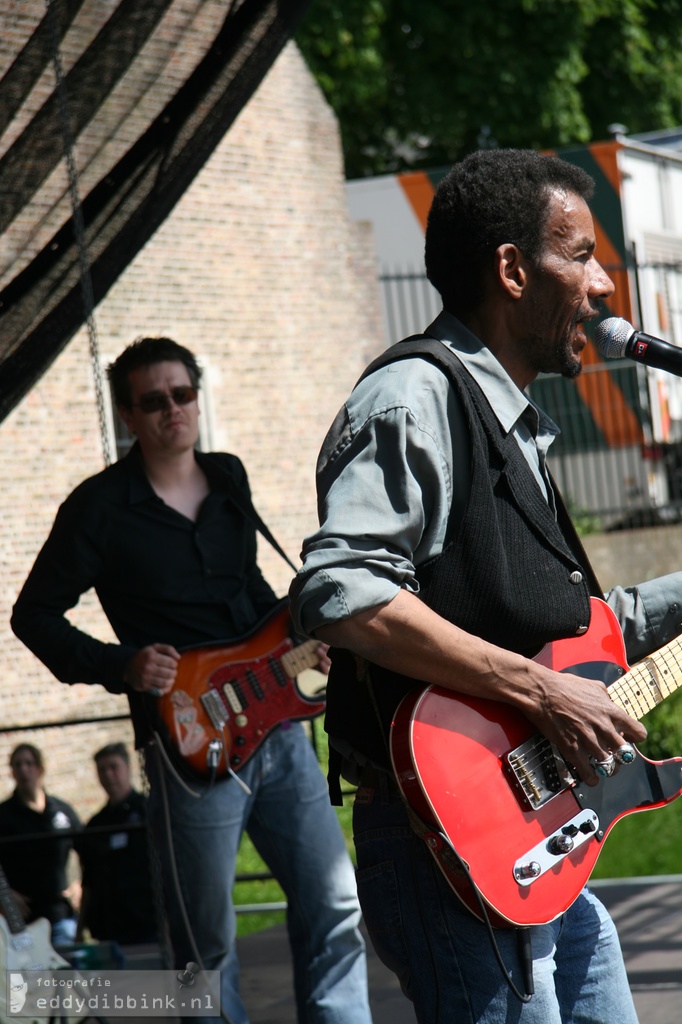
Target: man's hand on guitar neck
323,659
153,669
578,716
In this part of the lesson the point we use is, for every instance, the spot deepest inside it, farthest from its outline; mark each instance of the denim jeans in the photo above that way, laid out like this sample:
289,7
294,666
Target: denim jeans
442,954
295,829
64,931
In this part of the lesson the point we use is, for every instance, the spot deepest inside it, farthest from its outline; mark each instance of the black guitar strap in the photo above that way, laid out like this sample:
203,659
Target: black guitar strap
248,510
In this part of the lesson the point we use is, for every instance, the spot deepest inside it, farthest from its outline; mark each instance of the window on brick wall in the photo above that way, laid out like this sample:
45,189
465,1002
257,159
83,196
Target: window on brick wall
120,438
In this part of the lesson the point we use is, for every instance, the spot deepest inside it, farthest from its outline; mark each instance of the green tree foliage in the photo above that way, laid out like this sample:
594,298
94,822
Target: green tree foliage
419,84
664,727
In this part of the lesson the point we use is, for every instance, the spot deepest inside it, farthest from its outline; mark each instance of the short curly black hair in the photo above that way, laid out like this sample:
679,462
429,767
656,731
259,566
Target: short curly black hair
147,352
492,197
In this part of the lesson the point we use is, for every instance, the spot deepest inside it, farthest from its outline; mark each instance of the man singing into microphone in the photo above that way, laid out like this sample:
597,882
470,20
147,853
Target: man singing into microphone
446,556
616,338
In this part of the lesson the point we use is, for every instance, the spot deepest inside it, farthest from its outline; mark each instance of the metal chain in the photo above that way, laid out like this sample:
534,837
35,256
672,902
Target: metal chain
165,948
79,234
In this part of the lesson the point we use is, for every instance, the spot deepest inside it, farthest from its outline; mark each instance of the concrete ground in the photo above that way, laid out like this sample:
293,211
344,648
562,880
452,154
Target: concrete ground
648,913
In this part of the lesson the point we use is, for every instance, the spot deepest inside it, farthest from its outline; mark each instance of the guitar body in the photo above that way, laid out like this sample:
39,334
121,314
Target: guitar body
29,949
228,697
478,775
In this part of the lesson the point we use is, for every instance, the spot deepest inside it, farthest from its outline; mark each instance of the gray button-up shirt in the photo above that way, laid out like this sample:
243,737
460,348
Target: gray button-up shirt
394,464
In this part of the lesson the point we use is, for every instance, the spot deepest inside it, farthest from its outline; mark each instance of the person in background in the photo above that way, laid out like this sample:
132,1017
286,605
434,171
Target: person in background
167,539
118,893
36,869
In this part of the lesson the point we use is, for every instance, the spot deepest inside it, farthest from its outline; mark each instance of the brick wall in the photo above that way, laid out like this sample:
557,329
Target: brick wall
261,273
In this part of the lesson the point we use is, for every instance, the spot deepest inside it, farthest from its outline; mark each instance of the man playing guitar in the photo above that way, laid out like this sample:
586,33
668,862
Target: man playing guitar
445,556
163,537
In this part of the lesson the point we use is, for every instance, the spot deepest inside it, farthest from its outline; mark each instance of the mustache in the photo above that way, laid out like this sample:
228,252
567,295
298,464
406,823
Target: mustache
594,312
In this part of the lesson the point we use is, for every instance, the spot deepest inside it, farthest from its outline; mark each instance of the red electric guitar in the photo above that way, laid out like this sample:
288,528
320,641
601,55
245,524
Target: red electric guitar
228,696
484,782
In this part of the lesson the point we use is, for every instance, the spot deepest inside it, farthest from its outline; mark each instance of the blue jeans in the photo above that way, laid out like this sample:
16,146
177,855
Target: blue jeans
64,931
442,954
295,829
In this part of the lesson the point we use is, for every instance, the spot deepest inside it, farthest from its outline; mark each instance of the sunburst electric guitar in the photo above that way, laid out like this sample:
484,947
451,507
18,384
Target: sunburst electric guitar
228,696
523,827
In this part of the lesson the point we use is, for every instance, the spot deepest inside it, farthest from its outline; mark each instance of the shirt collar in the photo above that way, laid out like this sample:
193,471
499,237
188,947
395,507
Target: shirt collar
508,402
139,487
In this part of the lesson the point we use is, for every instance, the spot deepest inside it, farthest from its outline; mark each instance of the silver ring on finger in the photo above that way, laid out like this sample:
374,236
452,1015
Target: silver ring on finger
625,754
607,767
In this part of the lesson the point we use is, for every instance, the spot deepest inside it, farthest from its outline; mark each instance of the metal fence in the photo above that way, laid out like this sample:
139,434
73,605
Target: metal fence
609,461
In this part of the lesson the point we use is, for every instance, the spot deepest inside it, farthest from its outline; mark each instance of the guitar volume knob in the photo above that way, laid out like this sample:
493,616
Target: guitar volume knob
529,870
561,844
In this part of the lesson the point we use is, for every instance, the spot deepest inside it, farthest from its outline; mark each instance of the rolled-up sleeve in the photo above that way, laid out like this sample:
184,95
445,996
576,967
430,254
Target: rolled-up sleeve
384,495
649,614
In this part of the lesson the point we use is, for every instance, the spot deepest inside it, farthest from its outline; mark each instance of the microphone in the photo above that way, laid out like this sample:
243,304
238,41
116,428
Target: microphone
616,338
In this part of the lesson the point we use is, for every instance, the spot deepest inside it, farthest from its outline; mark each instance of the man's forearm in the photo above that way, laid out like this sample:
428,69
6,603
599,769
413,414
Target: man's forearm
71,655
408,637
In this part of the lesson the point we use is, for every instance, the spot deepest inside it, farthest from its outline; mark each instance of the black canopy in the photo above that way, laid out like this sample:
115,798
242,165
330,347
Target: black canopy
108,110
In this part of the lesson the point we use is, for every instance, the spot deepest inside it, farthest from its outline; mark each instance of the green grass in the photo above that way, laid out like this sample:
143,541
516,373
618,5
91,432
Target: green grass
646,843
650,842
641,844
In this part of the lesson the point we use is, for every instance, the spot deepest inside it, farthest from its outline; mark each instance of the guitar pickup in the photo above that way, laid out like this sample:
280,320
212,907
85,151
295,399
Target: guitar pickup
537,772
215,709
234,697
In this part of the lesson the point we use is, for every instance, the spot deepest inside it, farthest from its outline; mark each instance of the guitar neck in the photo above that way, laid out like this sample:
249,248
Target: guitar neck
650,681
8,905
299,658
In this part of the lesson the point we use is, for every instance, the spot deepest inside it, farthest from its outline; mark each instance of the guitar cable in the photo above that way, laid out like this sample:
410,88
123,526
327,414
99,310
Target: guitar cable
523,935
161,760
419,828
162,754
212,765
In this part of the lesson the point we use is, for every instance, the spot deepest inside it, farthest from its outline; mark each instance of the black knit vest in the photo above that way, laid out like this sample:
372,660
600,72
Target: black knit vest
509,573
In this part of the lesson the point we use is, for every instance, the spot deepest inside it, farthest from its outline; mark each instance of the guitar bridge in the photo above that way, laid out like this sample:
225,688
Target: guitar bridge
214,708
537,771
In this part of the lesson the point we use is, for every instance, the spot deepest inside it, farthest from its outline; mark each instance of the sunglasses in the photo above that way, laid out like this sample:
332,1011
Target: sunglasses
160,401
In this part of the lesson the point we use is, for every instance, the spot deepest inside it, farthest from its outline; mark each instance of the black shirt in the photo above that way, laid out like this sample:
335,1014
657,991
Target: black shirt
118,891
160,577
37,868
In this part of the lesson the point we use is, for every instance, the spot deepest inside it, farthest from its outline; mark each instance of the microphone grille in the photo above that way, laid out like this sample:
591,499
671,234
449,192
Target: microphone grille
611,337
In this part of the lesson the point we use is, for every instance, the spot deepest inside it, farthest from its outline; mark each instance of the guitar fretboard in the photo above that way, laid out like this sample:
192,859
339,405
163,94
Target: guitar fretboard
9,906
650,681
299,658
